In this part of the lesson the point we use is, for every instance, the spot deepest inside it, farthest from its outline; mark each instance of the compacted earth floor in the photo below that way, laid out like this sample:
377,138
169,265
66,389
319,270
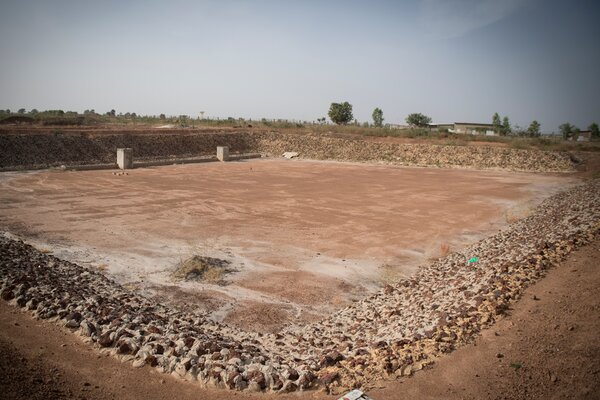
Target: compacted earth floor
545,348
298,239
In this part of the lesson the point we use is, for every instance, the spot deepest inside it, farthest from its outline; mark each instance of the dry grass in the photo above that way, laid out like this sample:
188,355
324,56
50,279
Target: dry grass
203,269
102,267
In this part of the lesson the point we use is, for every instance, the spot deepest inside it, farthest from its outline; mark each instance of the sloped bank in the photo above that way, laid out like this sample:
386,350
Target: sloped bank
400,329
478,157
34,150
21,151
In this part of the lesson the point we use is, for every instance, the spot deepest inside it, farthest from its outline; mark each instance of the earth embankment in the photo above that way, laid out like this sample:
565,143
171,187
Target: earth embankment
41,150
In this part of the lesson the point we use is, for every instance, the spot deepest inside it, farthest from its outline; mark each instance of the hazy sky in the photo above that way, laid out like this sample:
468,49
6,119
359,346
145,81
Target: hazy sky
454,60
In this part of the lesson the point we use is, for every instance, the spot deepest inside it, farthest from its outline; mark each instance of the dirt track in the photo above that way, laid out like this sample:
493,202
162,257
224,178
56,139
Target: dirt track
552,336
305,237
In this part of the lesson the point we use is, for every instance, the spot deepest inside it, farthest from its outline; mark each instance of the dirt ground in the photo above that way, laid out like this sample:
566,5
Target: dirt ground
545,348
302,237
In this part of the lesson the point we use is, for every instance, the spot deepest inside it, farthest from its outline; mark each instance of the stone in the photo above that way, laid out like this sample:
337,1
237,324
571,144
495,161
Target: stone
254,387
328,377
21,301
151,360
87,328
105,339
288,387
306,380
72,324
257,377
7,294
292,374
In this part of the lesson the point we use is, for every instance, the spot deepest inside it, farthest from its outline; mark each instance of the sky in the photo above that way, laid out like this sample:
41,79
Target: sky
453,60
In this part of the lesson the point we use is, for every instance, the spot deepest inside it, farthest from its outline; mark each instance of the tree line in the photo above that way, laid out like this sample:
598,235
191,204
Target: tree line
341,114
569,131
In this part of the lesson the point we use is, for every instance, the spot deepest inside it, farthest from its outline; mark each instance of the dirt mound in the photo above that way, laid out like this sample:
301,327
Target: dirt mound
205,269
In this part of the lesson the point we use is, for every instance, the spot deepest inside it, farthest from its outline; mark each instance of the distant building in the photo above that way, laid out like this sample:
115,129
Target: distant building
583,136
397,126
438,127
466,128
474,128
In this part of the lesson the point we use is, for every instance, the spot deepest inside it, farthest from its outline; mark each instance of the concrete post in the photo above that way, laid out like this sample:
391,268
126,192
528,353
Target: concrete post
223,153
125,158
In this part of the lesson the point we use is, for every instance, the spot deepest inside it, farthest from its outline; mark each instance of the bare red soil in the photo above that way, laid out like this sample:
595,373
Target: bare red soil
304,238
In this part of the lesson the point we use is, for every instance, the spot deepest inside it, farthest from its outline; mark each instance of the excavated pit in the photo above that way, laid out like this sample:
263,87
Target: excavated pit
263,244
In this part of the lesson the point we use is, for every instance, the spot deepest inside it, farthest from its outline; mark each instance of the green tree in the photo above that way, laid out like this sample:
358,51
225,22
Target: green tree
594,129
162,116
21,111
418,120
377,117
340,113
506,129
566,130
497,122
534,129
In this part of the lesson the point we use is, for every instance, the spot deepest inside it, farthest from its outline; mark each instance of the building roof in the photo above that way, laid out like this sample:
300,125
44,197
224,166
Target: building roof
473,123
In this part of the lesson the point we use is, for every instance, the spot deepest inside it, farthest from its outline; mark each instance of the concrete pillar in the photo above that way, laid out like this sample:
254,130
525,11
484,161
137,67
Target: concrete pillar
125,158
223,153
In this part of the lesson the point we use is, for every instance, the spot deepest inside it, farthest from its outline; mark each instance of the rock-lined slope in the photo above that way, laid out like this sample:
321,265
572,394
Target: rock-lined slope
44,150
394,332
480,157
